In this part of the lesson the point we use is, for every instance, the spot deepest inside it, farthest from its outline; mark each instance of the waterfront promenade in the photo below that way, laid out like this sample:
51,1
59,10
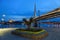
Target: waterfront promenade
5,34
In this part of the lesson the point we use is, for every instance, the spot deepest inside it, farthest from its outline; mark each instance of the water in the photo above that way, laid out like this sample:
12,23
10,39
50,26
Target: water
24,26
12,26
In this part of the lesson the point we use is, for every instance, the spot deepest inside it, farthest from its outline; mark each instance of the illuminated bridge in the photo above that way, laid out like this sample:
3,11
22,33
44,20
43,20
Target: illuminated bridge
52,14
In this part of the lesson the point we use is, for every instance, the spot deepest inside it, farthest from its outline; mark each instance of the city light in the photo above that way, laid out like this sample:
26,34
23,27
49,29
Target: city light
2,19
3,15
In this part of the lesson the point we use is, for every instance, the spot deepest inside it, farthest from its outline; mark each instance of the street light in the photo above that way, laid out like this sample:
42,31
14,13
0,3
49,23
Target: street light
3,20
3,17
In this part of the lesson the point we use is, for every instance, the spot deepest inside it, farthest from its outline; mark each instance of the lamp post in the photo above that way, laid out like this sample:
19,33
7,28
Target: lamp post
3,19
39,16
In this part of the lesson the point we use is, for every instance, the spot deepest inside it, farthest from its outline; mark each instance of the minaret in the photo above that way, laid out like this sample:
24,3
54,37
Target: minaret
35,10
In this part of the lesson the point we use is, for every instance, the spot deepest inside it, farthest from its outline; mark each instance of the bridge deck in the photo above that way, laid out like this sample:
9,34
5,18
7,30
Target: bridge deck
53,14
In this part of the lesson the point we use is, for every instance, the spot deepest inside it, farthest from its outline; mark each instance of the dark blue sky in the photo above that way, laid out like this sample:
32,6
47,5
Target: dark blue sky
18,9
